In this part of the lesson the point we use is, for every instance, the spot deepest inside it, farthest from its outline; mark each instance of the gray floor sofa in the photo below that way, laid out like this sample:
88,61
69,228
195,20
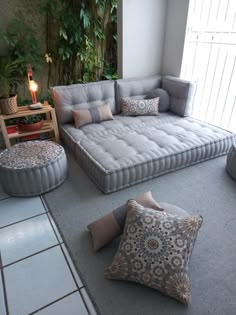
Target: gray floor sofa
128,150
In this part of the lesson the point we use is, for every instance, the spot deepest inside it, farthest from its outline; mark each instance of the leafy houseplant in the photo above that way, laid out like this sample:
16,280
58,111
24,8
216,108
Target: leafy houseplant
22,49
9,76
30,123
80,40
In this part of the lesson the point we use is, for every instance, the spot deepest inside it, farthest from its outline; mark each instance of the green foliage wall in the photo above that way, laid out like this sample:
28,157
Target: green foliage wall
27,11
76,38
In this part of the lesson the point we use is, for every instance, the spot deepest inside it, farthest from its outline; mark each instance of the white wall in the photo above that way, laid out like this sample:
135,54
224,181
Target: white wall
151,37
175,26
140,37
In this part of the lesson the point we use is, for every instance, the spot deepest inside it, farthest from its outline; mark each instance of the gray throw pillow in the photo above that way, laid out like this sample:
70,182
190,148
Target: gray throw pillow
164,101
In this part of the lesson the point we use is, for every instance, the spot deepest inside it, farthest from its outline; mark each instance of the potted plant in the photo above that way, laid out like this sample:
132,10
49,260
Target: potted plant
9,76
22,49
30,123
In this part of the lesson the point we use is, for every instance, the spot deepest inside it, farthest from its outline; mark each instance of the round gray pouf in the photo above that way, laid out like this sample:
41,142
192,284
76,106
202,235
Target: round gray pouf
231,162
32,168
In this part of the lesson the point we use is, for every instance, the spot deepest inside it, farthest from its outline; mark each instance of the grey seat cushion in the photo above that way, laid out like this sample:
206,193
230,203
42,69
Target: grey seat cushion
164,102
181,95
135,88
82,96
129,150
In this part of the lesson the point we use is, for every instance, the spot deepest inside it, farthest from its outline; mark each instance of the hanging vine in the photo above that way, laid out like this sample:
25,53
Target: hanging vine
81,40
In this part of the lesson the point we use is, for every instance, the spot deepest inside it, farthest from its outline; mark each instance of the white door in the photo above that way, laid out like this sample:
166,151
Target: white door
210,59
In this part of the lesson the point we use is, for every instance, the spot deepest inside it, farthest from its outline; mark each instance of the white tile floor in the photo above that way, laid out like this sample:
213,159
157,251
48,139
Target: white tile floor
37,275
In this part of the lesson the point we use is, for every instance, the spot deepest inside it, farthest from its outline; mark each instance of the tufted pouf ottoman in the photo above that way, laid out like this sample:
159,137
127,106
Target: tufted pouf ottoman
32,168
231,161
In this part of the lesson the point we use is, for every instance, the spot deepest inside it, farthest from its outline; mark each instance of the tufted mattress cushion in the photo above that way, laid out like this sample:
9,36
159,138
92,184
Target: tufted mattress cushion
82,96
129,150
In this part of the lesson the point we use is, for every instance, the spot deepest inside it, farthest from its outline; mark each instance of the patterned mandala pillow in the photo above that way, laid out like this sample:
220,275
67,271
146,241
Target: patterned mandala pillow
132,107
155,249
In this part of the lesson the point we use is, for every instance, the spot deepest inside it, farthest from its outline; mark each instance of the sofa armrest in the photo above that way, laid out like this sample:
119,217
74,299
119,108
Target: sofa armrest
181,95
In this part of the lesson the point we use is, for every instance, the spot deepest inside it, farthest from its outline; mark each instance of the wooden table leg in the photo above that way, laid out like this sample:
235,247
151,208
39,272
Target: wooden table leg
55,126
48,116
4,133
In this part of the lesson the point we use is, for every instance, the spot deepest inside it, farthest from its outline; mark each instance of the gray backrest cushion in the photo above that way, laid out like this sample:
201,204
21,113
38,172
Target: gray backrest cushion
164,102
135,88
82,96
181,95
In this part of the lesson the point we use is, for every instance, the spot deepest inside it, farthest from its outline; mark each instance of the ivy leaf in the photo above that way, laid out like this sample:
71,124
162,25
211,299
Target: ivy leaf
85,18
62,33
99,34
61,51
113,6
71,41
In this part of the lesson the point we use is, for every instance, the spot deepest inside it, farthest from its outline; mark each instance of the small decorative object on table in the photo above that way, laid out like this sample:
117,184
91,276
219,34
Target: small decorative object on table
32,168
36,106
33,86
231,162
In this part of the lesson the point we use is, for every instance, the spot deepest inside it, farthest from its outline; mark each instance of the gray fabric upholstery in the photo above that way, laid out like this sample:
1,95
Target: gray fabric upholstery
35,178
231,161
173,209
82,96
69,135
164,102
129,150
181,95
137,88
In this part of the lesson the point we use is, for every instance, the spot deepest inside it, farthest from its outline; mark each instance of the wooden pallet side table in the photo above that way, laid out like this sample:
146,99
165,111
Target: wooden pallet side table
50,124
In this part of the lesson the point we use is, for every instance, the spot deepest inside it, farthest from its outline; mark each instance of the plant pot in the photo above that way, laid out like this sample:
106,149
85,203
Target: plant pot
8,106
30,127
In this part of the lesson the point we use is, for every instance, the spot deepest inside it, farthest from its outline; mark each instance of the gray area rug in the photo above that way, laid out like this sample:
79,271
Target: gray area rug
203,189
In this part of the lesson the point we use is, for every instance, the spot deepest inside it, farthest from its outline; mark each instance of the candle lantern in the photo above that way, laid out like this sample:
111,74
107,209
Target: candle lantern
33,86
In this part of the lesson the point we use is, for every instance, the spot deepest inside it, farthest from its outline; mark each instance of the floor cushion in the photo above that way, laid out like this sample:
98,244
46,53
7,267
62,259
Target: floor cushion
129,150
155,249
32,168
231,162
